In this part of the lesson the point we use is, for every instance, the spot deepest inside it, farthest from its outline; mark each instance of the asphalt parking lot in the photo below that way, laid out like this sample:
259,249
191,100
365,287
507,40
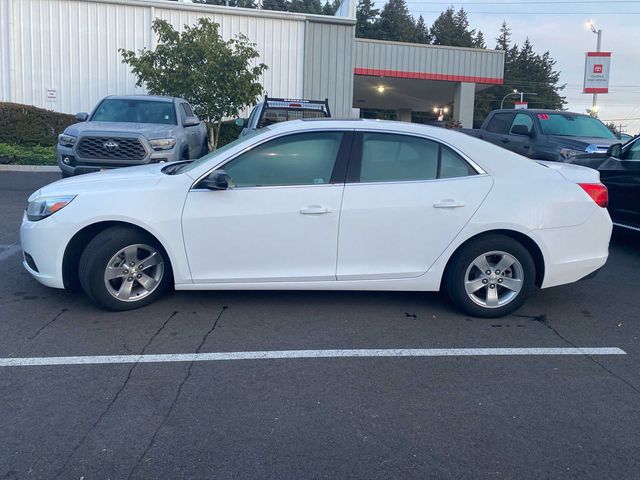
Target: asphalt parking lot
453,416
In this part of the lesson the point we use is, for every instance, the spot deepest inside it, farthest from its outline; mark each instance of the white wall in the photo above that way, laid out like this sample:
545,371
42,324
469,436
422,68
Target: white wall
72,46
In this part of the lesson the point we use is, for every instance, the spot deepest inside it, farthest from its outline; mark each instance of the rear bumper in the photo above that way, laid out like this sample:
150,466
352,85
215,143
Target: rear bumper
574,253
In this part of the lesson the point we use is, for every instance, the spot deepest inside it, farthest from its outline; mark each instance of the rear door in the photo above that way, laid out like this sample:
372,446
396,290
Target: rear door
497,130
405,200
622,178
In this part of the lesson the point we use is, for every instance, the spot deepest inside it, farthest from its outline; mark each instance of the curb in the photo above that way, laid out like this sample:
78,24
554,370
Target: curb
30,168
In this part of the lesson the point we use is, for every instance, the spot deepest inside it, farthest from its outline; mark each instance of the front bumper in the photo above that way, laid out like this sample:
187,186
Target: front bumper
71,164
44,241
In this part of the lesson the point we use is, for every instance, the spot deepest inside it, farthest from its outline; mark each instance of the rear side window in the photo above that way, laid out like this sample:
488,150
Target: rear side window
500,123
188,112
392,158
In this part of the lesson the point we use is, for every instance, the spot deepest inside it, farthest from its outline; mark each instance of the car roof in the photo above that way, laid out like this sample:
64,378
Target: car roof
538,110
153,98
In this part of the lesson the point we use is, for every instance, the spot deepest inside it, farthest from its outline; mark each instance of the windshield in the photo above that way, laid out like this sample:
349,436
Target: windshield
216,153
573,126
135,111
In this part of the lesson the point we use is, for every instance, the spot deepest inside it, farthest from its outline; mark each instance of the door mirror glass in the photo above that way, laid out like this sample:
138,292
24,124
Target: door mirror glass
82,116
614,150
216,180
191,122
239,122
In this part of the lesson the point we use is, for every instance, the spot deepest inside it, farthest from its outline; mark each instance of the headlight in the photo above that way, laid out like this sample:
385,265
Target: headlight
42,207
567,153
162,143
66,140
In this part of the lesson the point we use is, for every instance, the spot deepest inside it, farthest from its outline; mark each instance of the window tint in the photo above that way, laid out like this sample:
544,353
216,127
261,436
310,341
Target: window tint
453,165
188,112
500,123
633,153
523,119
571,125
300,159
135,111
390,157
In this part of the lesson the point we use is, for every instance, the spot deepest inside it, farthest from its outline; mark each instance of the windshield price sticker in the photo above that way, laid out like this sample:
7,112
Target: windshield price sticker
543,116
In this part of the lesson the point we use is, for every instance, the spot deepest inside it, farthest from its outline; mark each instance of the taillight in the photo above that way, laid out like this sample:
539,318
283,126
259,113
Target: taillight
598,192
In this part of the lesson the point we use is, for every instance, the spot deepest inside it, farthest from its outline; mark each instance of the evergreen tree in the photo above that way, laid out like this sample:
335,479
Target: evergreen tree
366,19
396,23
277,5
423,35
504,39
330,8
452,28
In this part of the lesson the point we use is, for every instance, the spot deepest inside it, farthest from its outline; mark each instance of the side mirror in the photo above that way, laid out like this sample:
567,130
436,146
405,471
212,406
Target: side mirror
216,180
615,150
191,122
239,122
521,130
82,116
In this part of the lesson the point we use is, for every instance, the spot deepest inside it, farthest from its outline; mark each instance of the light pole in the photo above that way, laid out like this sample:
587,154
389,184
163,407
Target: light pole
594,106
440,111
515,92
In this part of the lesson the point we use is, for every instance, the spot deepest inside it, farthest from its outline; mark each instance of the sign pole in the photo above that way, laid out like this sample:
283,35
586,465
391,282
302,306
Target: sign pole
595,95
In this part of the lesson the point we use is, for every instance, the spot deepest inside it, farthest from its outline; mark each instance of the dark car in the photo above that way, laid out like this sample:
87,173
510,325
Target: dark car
620,172
545,134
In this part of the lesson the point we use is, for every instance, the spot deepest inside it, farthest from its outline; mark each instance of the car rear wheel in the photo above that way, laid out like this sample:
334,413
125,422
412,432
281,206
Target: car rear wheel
123,269
491,276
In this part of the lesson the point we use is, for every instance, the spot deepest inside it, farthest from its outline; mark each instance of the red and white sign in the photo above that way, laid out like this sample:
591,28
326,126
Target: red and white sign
521,105
596,72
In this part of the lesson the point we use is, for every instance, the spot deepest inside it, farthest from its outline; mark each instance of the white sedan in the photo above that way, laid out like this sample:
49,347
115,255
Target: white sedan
325,205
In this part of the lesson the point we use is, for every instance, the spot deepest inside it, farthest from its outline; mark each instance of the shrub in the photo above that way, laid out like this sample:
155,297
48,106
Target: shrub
29,126
21,155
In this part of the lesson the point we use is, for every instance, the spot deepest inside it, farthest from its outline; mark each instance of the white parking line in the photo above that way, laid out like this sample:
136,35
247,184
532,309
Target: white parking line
289,354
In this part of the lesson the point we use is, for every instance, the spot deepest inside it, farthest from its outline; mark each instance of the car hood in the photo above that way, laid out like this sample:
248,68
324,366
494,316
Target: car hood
149,130
581,143
118,179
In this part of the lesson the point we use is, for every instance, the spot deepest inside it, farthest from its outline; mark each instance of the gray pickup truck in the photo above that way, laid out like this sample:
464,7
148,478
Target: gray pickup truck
131,130
545,134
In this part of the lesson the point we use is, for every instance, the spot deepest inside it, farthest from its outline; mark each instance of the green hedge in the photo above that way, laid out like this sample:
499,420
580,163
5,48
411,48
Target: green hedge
21,155
30,126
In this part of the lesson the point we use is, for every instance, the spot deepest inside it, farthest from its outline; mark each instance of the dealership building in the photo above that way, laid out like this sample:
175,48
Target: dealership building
63,55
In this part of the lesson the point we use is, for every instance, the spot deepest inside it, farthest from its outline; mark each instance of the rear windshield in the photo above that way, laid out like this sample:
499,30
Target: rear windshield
573,126
276,115
135,111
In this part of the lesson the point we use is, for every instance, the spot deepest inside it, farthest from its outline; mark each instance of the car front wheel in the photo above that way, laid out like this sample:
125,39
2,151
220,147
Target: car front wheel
123,269
491,276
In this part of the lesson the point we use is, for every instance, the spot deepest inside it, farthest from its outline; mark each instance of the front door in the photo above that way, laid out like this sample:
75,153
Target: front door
405,200
279,219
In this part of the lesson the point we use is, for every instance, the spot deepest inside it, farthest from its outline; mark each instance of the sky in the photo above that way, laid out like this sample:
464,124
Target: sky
559,27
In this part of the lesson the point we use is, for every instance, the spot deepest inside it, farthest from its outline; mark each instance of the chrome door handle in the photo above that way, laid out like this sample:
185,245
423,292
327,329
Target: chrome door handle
448,203
314,210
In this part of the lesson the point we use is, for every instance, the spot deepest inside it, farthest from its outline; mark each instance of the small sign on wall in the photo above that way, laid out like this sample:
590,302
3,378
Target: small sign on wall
52,95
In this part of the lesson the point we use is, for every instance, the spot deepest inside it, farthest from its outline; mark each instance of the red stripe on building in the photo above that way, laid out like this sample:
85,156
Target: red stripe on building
595,90
425,76
598,54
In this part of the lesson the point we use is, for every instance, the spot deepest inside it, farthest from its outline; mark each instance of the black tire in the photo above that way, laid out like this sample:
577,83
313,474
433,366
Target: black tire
185,154
461,266
97,256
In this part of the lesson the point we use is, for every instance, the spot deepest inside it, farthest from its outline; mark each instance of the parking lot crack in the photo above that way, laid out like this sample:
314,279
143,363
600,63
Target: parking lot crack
542,319
176,397
38,332
106,410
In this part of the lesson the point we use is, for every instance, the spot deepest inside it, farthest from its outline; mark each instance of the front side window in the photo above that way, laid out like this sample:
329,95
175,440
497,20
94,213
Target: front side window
392,158
633,153
135,111
188,112
522,119
299,159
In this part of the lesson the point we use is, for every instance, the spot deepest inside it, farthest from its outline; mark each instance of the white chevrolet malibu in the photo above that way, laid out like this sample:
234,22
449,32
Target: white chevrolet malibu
325,205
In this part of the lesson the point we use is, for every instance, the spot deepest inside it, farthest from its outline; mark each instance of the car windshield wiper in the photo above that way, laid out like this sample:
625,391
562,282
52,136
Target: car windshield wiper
175,167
